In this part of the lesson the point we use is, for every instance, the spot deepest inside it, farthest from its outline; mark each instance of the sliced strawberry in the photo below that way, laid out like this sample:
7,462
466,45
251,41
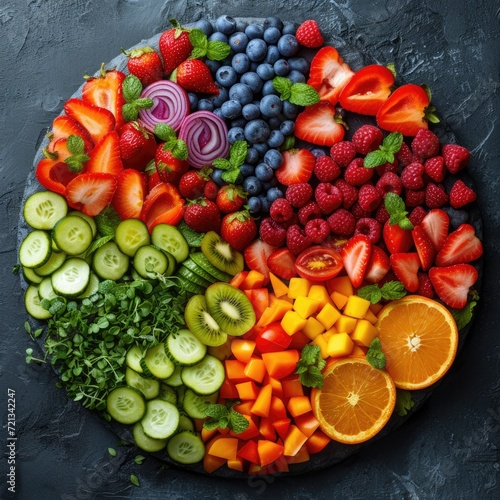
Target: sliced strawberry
282,263
367,90
378,266
436,225
105,91
452,283
105,157
356,257
462,245
329,74
91,192
297,167
319,124
424,246
62,127
256,255
396,239
405,266
162,204
130,193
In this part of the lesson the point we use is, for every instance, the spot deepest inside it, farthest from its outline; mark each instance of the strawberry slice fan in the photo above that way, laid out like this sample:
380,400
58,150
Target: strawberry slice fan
103,142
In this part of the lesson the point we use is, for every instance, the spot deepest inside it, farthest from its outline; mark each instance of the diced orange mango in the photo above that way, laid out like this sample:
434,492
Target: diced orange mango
266,429
292,386
341,284
223,447
255,369
293,441
236,464
339,344
275,384
292,322
375,308
356,307
280,289
235,370
254,279
313,328
242,349
247,390
364,333
370,316
298,287
319,293
339,299
322,343
300,457
345,324
299,405
281,426
307,423
274,312
305,306
263,402
328,315
211,463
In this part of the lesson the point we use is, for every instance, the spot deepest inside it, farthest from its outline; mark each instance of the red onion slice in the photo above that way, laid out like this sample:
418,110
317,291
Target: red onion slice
170,105
206,137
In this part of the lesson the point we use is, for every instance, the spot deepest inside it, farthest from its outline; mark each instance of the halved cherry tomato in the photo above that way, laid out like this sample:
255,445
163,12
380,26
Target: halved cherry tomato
272,338
318,263
163,204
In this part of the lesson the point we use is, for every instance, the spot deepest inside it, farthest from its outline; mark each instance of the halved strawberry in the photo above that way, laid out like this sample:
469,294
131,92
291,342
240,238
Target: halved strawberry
367,90
91,192
436,225
405,266
282,263
452,283
396,239
319,124
329,74
62,127
256,255
97,121
162,204
297,167
130,193
461,245
105,157
378,266
356,255
424,246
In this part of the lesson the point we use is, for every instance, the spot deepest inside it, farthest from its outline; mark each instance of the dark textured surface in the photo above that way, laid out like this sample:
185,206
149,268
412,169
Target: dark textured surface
450,448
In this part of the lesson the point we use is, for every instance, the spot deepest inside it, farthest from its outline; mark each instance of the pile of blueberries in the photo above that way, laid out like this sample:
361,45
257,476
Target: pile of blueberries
248,101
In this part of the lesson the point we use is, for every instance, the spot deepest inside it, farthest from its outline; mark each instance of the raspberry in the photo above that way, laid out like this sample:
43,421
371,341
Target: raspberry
414,197
356,174
297,240
455,157
425,287
417,214
369,198
210,191
404,155
461,194
328,197
425,144
389,183
271,232
343,153
367,138
412,176
309,211
281,210
317,230
435,195
349,193
358,212
435,169
387,167
369,227
342,222
417,159
325,169
309,35
382,215
298,194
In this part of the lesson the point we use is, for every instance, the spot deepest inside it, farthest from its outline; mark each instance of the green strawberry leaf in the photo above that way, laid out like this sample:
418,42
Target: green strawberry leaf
303,94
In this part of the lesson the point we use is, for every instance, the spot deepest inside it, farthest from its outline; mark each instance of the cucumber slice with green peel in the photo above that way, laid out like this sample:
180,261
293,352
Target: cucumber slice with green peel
168,393
206,377
186,448
126,405
160,420
158,363
36,249
31,276
170,239
172,264
92,287
146,443
184,348
181,391
148,387
199,259
32,304
72,235
90,220
195,268
195,405
149,261
175,379
185,424
46,290
72,278
193,277
130,235
109,262
191,287
43,209
133,358
55,261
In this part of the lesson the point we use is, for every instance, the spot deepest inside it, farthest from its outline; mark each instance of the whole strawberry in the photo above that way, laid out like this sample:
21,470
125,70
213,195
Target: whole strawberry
309,35
145,63
170,163
193,75
230,198
202,215
175,46
137,146
238,229
192,183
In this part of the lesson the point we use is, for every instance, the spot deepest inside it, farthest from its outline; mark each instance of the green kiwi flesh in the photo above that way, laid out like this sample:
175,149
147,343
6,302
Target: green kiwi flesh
221,255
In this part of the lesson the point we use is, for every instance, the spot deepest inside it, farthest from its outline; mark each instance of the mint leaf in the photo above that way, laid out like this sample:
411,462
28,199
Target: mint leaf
231,175
404,402
98,243
309,354
371,293
238,153
75,144
131,88
198,39
283,86
392,143
76,147
130,112
222,164
375,356
405,223
216,411
134,480
397,211
303,94
464,316
107,221
393,290
165,132
375,159
143,103
310,365
237,422
217,50
211,424
386,151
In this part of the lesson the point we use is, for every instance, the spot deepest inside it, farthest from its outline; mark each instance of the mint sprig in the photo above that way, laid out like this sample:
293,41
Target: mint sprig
76,147
386,151
391,290
375,356
223,417
167,134
297,93
310,365
464,316
397,211
202,47
132,89
404,402
231,165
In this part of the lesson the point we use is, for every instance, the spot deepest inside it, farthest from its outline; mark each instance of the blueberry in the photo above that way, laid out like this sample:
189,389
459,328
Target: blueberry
265,71
265,204
273,158
254,204
217,36
288,45
274,122
253,31
213,66
240,63
205,105
204,25
257,131
235,134
247,170
317,152
457,217
241,25
217,177
264,172
299,63
252,156
239,122
262,148
273,22
274,193
290,111
193,101
296,76
281,67
273,54
218,112
226,24
271,105
268,88
223,96
287,127
272,35
270,184
256,49
276,139
241,92
253,80
250,111
252,185
226,76
231,109
289,28
238,41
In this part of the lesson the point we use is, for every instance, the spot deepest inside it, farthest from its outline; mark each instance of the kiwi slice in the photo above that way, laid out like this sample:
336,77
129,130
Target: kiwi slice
221,254
200,260
201,323
230,308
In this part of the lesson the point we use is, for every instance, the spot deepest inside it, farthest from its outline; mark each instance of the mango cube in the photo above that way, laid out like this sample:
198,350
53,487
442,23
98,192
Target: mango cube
370,317
356,307
329,333
341,284
322,343
339,299
279,288
364,333
292,322
358,352
305,306
375,308
313,328
298,287
328,315
319,293
345,324
339,344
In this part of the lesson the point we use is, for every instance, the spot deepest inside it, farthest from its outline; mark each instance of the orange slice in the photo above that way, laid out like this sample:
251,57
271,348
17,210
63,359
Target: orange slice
355,402
419,338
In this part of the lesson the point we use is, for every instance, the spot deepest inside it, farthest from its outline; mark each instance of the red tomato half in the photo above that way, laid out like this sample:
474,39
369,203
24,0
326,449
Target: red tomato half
272,338
318,263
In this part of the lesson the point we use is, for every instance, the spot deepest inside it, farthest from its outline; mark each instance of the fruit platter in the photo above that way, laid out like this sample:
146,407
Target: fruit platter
246,249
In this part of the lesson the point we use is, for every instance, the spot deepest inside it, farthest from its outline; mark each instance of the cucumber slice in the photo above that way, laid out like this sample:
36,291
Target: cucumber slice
90,220
186,447
32,304
200,259
72,234
43,209
133,358
46,290
149,387
126,405
31,276
55,261
195,405
130,235
195,268
175,379
184,348
193,277
92,287
109,262
170,239
36,249
172,264
206,377
72,278
158,363
161,419
149,260
185,423
167,393
146,443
